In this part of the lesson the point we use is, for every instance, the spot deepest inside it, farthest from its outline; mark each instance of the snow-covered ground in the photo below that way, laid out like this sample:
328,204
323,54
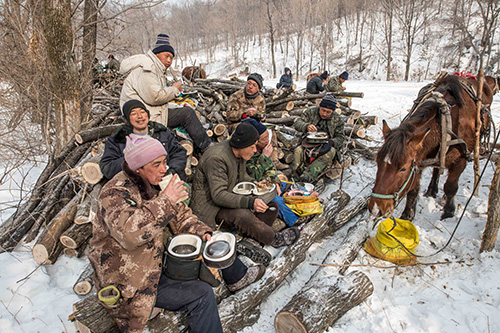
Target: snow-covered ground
454,297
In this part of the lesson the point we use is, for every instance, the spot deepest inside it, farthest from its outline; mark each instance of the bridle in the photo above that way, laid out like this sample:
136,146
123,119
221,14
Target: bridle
395,195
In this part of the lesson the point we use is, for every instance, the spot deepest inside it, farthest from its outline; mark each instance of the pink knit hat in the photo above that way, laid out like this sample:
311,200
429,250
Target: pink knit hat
140,150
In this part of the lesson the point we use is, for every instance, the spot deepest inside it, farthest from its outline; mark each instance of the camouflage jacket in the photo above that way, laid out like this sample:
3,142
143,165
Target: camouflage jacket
260,167
334,85
238,104
127,244
113,65
334,125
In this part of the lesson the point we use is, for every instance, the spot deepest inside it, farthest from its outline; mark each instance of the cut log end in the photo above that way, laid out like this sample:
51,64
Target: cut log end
219,129
82,288
290,105
188,146
91,172
40,254
68,242
286,322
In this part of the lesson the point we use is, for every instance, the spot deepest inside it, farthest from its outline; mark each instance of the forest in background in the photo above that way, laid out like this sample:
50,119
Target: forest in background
48,47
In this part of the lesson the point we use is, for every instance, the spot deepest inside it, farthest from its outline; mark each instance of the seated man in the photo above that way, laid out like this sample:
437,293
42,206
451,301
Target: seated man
147,82
286,80
260,167
309,160
127,244
248,102
222,167
113,65
316,84
335,84
137,121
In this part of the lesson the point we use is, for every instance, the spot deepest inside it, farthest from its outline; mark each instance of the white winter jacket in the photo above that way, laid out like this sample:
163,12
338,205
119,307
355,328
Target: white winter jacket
147,81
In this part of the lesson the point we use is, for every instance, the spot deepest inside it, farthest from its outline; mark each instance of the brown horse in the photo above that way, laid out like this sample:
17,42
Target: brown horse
493,83
417,140
193,72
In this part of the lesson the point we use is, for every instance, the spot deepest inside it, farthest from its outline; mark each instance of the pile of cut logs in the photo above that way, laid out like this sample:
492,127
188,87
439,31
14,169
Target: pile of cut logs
63,202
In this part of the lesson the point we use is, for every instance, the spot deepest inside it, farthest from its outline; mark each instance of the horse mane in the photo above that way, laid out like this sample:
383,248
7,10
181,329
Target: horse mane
394,147
451,84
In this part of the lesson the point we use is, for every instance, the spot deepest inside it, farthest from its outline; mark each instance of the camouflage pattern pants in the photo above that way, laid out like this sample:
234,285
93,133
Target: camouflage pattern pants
301,167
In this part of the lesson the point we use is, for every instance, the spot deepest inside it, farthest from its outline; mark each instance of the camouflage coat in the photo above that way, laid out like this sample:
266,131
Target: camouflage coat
333,125
334,85
238,104
127,244
260,167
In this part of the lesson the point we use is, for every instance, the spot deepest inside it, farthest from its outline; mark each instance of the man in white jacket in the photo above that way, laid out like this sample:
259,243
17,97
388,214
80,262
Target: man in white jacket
147,81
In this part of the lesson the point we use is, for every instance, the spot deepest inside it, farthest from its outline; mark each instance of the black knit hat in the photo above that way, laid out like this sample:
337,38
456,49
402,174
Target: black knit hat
257,78
324,75
244,136
163,45
130,105
344,75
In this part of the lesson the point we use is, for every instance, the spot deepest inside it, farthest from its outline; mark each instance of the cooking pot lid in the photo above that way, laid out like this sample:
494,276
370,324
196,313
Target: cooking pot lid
218,249
184,249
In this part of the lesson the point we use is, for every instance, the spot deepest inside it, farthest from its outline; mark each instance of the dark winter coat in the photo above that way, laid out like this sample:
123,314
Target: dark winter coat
286,80
315,85
217,173
127,244
111,161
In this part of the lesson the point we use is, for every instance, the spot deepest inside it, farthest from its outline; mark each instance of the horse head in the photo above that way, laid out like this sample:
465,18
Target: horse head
396,167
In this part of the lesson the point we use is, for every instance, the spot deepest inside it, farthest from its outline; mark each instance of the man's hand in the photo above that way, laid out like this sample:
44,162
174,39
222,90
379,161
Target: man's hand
268,150
259,206
251,112
312,128
278,189
206,237
343,88
178,85
174,191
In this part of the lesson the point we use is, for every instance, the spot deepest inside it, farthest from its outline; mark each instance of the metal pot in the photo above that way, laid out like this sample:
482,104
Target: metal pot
220,251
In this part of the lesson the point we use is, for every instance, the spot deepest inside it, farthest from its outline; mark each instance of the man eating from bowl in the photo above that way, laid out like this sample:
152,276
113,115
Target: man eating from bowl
220,169
310,159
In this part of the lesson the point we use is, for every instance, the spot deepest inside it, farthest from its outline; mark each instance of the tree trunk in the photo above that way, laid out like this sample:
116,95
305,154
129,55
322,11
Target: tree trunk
234,310
46,244
316,308
84,284
90,9
64,75
96,133
479,124
76,235
493,223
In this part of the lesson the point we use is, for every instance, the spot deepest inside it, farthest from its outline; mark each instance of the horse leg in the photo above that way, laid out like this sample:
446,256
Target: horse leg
411,201
432,190
451,187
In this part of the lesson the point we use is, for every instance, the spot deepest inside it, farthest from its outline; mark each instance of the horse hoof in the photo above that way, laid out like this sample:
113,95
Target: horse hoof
431,194
446,215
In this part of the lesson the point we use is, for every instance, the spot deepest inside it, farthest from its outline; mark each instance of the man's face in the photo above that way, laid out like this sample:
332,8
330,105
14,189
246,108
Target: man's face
165,58
263,140
288,72
154,171
341,80
247,153
325,113
139,120
252,87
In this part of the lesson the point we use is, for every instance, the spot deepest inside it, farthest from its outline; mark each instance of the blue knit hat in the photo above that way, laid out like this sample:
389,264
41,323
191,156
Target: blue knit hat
329,102
344,75
260,127
163,45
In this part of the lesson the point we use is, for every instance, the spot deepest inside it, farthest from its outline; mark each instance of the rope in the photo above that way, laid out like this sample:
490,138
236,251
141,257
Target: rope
459,220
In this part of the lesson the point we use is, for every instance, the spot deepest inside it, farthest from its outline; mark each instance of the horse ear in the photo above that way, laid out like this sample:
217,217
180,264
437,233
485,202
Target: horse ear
385,127
419,138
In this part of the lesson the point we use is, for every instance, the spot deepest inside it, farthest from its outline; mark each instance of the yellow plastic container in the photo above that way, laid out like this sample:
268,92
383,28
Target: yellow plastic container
395,241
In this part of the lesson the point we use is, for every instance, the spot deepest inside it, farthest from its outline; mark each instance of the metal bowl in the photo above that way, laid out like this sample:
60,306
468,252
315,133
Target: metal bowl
220,251
185,246
244,188
267,194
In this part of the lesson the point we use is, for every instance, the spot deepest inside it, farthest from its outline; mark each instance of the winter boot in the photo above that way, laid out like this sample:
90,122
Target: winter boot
254,252
253,274
286,237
